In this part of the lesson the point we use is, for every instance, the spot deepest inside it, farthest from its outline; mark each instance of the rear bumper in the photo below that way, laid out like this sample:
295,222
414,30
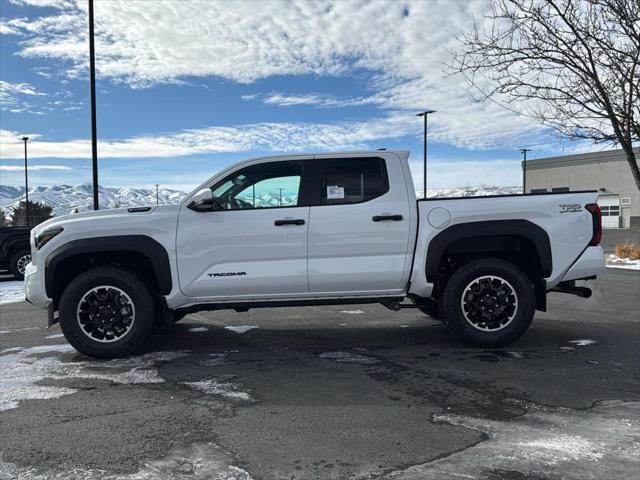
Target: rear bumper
35,291
590,263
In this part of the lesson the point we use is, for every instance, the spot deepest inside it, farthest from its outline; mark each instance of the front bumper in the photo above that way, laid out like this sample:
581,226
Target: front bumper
590,263
35,291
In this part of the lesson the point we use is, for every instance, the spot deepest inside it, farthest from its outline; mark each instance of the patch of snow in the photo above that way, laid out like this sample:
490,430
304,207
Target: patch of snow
196,462
55,335
197,329
16,330
348,358
614,261
343,324
583,342
240,328
352,312
11,292
21,370
546,442
220,388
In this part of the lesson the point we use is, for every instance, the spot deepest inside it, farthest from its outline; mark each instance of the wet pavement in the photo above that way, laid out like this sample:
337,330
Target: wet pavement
330,393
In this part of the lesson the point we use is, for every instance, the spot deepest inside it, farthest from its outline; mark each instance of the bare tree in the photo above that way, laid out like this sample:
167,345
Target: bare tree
573,64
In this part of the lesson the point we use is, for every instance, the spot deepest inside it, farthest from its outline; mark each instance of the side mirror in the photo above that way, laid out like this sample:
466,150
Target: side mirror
202,201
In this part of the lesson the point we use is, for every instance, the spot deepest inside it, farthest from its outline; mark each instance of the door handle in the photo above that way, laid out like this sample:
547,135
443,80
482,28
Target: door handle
279,223
385,218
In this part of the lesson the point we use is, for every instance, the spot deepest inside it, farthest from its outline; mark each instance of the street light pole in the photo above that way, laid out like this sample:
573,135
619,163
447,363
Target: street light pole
425,114
524,169
94,128
26,181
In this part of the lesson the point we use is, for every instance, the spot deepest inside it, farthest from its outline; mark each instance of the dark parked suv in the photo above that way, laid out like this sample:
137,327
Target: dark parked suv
15,250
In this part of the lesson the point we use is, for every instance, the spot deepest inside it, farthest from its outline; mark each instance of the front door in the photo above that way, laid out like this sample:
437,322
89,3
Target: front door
253,242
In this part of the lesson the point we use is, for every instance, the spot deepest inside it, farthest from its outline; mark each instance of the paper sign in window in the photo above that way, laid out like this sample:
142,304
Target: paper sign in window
334,192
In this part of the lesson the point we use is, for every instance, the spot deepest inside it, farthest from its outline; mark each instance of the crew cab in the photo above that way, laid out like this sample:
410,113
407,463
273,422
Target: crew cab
337,228
15,251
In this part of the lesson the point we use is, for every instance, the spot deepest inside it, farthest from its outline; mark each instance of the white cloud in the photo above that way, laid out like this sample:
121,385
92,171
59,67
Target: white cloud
16,168
315,99
147,43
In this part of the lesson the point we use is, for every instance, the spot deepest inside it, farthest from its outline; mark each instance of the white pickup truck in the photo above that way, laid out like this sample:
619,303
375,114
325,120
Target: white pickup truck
339,228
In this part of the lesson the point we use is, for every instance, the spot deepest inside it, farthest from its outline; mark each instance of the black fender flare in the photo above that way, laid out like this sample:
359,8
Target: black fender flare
141,244
522,228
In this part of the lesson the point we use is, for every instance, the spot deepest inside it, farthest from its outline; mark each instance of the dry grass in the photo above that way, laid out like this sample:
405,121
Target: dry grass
628,250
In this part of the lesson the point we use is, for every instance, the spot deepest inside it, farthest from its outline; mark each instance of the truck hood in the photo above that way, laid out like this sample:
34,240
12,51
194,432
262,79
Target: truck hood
117,217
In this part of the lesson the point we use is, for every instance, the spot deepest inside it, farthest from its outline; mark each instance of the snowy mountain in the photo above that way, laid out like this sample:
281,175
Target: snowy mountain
66,198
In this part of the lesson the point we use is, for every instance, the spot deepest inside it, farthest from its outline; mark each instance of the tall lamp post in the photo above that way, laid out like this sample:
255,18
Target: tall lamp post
94,128
26,180
425,114
524,169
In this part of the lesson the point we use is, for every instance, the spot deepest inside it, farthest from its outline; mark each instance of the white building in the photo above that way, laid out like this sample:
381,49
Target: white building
607,172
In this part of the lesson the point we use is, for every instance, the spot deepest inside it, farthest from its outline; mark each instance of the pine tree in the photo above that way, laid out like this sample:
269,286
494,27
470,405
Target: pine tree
38,213
3,219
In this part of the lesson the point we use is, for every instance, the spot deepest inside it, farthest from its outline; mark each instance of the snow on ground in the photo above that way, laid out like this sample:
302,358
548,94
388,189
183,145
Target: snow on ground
196,462
614,261
241,328
220,387
55,335
599,442
11,292
21,371
197,329
352,312
348,358
582,342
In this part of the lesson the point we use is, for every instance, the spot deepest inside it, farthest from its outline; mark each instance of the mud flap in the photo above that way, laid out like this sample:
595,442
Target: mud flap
52,318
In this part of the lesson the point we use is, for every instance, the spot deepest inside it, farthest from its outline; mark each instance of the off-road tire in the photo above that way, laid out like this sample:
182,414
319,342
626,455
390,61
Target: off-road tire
14,263
123,280
459,300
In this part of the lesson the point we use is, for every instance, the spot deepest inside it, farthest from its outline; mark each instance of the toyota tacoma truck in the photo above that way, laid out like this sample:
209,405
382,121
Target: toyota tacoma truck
340,228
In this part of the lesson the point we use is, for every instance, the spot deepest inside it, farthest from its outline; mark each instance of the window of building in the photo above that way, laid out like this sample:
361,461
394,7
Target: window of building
560,189
352,180
266,185
538,190
610,210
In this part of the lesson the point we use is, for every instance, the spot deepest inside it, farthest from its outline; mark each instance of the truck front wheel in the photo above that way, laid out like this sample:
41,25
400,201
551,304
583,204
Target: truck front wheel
489,303
107,312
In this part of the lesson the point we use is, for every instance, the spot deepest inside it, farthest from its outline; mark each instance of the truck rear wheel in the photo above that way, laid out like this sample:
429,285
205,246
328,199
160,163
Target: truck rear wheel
107,312
489,303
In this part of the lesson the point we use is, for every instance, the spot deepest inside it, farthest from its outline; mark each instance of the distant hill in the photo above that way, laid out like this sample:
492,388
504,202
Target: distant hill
67,198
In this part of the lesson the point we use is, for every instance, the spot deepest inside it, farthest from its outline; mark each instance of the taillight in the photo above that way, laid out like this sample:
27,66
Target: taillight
596,215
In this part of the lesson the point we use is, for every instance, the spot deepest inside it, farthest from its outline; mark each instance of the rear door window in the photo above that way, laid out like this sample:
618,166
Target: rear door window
342,181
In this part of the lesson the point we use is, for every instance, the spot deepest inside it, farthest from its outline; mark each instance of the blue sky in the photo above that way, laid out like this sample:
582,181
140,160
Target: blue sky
185,88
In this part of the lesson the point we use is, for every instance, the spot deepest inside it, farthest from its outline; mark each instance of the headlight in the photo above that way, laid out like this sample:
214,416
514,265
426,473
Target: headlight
43,237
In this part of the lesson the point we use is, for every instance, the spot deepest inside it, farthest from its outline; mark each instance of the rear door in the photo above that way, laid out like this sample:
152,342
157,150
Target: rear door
359,226
254,243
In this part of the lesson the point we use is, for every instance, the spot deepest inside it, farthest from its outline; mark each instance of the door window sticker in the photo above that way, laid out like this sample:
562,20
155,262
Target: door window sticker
334,192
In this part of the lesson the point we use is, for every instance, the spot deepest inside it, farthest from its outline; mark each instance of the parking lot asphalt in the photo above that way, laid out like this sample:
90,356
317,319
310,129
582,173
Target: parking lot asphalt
330,393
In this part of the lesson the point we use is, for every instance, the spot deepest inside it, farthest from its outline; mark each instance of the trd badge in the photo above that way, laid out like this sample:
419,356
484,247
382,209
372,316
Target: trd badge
570,207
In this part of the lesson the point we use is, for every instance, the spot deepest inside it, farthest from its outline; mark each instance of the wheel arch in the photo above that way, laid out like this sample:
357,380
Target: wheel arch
139,249
503,237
